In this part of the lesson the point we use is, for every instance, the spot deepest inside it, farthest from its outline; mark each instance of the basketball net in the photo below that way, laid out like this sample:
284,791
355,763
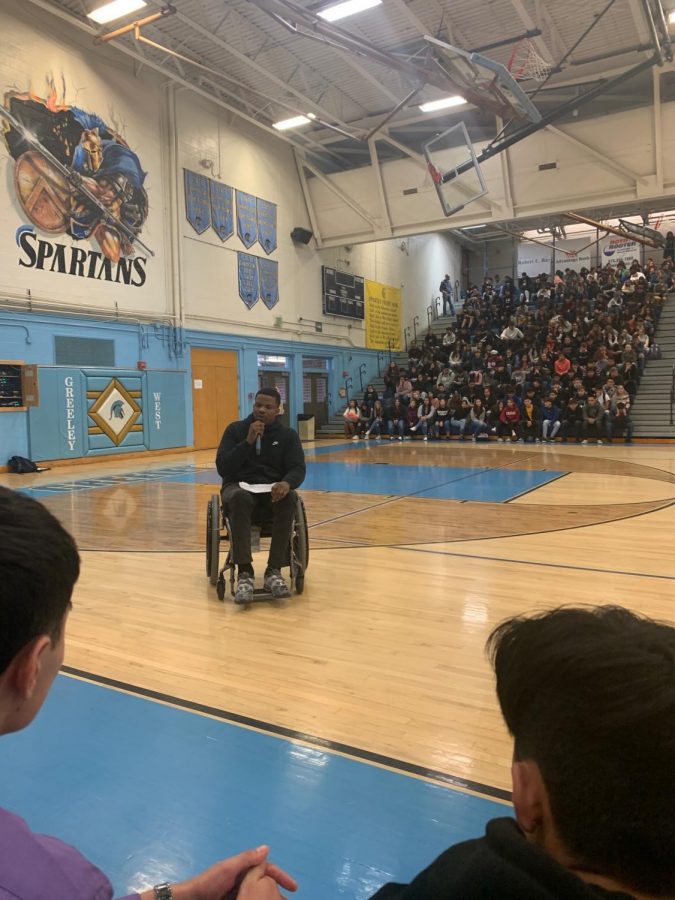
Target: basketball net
525,63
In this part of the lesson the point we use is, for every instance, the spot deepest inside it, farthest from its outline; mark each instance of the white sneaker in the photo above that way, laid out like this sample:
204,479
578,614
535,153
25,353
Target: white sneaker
500,440
584,442
600,442
400,438
425,438
355,438
378,438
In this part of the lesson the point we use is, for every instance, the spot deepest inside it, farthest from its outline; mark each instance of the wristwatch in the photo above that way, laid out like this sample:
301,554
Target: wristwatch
163,891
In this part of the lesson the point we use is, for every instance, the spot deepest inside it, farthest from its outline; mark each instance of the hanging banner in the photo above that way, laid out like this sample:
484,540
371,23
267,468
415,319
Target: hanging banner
383,316
614,248
269,282
247,219
197,201
248,278
267,225
222,217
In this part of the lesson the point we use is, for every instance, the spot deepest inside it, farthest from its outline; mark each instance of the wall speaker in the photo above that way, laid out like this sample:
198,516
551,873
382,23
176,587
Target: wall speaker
301,235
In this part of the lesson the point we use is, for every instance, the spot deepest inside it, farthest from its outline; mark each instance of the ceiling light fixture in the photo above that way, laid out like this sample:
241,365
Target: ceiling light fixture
671,17
116,9
348,8
444,103
294,122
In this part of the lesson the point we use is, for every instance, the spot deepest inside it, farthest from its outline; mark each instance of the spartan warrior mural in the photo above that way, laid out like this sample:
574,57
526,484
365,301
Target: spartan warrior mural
74,174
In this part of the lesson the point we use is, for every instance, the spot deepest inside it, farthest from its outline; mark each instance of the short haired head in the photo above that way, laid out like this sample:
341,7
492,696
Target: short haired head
269,392
39,565
589,696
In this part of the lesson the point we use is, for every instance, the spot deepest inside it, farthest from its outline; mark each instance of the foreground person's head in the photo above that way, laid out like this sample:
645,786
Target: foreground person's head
39,566
589,697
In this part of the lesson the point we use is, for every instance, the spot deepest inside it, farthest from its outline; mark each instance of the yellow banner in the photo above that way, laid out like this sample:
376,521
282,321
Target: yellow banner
383,316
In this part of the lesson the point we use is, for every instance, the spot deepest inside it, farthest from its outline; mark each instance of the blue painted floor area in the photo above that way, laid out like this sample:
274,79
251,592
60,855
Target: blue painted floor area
152,793
456,483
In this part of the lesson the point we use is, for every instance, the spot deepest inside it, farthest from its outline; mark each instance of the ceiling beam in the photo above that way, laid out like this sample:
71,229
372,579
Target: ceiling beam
307,103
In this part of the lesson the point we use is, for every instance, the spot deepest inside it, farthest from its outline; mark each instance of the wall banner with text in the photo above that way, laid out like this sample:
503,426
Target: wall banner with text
222,217
268,271
247,219
383,316
267,225
248,278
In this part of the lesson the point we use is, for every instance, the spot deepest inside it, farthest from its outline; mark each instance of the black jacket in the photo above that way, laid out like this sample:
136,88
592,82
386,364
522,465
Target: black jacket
281,455
503,865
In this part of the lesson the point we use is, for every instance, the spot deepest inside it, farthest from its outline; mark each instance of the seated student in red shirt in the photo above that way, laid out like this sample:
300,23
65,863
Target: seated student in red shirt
509,420
562,365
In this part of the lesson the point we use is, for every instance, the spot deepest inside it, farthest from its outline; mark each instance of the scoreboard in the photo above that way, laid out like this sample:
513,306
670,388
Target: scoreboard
343,294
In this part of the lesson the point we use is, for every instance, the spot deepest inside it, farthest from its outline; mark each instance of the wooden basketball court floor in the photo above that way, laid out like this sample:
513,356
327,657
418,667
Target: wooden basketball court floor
417,551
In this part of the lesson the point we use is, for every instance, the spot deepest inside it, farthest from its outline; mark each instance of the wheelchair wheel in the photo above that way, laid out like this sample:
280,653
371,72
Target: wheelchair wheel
300,547
213,538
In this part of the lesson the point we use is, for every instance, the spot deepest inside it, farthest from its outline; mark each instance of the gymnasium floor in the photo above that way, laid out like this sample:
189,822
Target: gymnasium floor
354,728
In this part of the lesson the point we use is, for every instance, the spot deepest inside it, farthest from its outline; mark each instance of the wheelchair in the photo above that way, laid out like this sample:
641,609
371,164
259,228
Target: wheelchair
218,531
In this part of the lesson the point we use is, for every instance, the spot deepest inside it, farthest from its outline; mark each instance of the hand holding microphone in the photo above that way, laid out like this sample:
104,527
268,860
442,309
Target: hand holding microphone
254,436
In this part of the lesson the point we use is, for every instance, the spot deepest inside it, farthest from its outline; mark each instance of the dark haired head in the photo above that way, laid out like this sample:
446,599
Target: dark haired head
270,392
39,566
589,696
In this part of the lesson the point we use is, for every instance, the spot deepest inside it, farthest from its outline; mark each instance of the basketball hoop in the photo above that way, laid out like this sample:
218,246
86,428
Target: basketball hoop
525,63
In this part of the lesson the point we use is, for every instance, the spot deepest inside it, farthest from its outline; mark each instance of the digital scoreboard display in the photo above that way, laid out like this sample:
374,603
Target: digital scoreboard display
343,294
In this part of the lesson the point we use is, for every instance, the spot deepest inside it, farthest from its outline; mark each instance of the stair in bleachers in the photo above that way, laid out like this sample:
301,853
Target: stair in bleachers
334,427
651,411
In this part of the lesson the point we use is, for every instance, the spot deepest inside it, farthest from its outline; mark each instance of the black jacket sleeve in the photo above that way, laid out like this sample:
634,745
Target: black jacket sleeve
294,461
233,452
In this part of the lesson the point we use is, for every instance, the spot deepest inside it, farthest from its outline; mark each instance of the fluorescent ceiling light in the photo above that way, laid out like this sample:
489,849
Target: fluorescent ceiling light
473,227
444,103
115,10
671,17
294,122
348,8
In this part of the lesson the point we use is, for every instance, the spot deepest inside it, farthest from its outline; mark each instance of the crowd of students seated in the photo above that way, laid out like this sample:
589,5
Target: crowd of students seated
535,360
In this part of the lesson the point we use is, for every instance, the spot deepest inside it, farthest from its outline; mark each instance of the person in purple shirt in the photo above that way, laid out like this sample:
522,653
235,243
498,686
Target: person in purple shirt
39,565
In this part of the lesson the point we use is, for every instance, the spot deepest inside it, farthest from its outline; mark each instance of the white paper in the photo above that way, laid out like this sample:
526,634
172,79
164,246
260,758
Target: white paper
199,384
256,488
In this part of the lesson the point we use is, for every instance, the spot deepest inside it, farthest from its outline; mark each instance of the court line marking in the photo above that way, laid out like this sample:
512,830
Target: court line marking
284,732
498,537
537,487
527,562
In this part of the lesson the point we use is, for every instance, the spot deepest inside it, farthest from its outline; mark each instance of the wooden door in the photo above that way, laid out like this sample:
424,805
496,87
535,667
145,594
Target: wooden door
215,395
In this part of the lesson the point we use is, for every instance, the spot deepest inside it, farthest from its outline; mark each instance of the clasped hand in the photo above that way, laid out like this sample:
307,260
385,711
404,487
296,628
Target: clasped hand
261,881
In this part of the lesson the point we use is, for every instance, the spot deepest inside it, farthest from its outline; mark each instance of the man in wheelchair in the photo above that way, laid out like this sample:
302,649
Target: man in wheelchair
260,450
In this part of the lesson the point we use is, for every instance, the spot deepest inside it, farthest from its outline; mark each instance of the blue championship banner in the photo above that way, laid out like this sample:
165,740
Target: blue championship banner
269,281
222,217
197,201
248,278
247,219
267,225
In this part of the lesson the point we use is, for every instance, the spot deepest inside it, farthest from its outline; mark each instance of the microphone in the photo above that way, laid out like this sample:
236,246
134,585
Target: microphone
257,445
